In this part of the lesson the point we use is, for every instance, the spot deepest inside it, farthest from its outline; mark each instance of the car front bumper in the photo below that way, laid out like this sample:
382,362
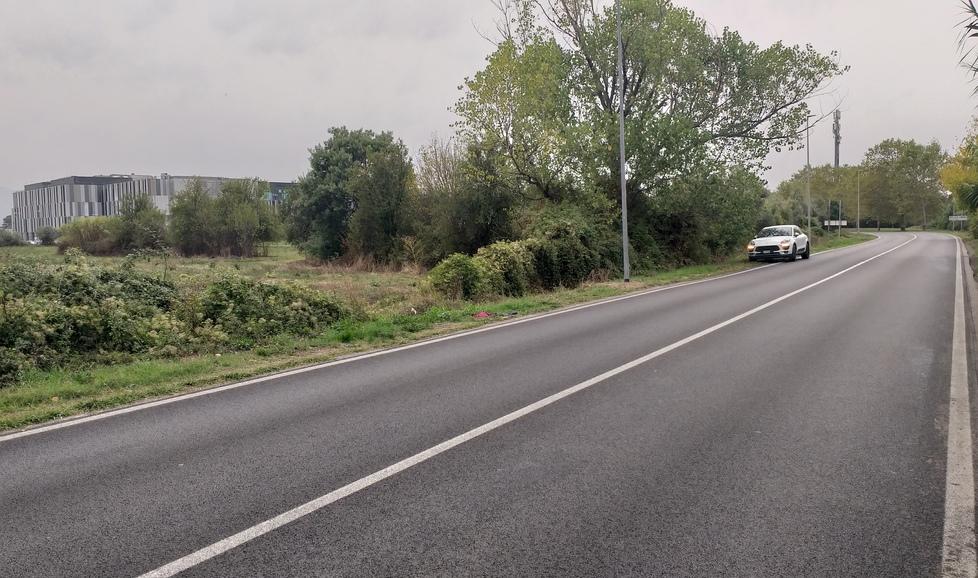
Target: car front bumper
769,253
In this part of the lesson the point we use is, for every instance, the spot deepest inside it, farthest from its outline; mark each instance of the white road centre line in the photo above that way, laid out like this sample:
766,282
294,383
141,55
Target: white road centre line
258,530
958,557
494,327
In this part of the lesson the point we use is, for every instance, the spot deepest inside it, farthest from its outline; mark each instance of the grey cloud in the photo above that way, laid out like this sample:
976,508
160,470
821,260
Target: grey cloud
245,87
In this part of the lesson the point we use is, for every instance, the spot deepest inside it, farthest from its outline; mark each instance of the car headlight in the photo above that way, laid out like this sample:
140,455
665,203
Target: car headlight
751,246
785,245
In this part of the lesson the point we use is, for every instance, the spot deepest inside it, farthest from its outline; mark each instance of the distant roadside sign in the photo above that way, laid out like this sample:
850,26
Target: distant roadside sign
958,218
836,223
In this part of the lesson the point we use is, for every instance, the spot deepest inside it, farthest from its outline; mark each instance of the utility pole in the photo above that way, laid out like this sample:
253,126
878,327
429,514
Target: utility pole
837,131
808,169
621,147
859,229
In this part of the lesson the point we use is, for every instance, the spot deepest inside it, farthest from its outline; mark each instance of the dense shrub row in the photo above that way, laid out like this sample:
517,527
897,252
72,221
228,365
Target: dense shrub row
515,268
52,315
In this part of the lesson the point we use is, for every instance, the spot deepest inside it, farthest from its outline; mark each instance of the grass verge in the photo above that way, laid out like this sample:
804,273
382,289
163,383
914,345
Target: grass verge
49,395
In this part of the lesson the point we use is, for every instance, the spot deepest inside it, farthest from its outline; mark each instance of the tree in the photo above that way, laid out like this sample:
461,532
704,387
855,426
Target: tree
10,238
47,236
245,220
829,187
707,216
194,221
904,180
969,33
960,174
317,210
549,94
143,226
7,222
464,200
381,189
695,103
236,223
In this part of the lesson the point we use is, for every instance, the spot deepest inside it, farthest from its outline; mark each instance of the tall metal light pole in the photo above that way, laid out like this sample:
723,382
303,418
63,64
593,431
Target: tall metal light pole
621,146
859,228
808,169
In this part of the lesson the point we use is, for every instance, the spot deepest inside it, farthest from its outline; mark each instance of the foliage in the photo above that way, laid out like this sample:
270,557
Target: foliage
142,225
318,209
510,268
571,244
382,189
93,235
235,224
705,217
245,220
969,32
10,238
960,174
194,221
695,103
252,310
47,236
464,201
139,225
53,315
458,276
904,181
564,252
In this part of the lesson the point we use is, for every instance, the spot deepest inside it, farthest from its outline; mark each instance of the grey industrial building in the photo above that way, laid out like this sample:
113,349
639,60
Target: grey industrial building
54,203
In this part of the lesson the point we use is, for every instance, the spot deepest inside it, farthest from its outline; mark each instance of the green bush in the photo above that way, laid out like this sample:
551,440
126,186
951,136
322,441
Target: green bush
10,238
47,236
93,235
459,276
80,283
250,310
58,315
510,268
12,364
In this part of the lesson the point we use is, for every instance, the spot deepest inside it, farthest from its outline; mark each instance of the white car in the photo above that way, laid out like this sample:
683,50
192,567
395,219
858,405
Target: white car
779,242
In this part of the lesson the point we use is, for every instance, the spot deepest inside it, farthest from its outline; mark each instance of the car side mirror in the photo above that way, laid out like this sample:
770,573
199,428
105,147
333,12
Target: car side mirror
798,234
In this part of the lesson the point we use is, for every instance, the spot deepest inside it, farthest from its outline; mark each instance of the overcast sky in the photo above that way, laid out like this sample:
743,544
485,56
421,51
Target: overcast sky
245,87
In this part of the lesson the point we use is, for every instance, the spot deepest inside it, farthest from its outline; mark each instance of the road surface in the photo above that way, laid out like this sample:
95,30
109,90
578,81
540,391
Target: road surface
790,420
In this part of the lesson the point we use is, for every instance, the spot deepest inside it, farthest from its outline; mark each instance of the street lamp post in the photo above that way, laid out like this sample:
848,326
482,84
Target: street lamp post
808,169
621,146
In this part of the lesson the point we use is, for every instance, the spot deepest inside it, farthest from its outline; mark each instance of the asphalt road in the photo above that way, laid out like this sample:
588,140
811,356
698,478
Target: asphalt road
806,438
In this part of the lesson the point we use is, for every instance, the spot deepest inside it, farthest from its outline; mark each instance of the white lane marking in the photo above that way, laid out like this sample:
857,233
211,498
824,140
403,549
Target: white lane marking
210,391
958,557
244,536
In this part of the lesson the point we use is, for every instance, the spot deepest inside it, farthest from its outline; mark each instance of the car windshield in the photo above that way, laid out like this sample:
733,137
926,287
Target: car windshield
775,232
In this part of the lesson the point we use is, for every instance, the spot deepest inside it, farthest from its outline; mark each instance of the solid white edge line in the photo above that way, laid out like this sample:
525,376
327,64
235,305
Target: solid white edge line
294,514
958,556
298,371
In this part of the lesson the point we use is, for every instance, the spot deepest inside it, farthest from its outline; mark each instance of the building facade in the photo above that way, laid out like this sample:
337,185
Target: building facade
55,203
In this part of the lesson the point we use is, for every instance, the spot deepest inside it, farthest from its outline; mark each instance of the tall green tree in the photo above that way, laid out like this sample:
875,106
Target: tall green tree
246,221
143,225
904,181
318,209
194,221
382,189
695,102
549,94
465,199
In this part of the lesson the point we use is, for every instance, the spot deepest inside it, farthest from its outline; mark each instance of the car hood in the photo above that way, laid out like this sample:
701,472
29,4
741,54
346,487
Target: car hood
768,241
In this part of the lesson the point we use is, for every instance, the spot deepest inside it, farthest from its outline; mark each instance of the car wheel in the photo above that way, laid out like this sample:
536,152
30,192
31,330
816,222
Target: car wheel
751,259
794,254
808,252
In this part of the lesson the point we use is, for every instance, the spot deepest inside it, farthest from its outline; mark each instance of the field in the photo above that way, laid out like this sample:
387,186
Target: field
395,307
